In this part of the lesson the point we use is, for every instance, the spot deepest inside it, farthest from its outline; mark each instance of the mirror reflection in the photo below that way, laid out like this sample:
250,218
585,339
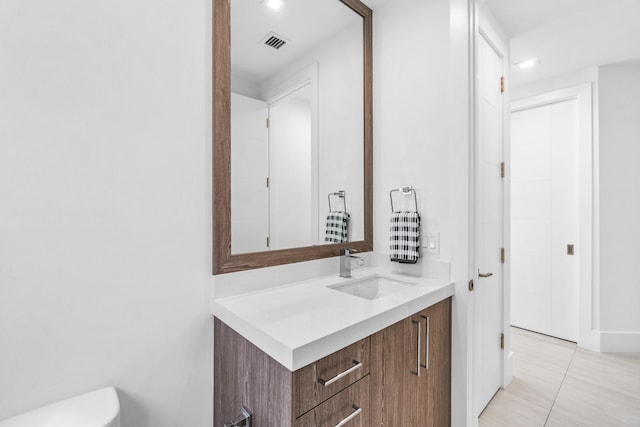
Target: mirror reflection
297,124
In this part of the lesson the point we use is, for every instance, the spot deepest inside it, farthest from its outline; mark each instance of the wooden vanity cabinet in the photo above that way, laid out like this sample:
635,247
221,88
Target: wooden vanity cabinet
320,394
381,386
420,344
245,375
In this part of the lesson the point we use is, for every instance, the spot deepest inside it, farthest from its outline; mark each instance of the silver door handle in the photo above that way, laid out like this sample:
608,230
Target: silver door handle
354,414
485,274
426,343
417,371
356,365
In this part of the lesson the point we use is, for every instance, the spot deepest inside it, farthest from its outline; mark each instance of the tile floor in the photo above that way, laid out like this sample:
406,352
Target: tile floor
557,384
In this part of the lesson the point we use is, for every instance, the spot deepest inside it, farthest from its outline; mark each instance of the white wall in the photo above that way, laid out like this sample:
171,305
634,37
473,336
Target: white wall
410,129
105,213
249,170
421,138
619,207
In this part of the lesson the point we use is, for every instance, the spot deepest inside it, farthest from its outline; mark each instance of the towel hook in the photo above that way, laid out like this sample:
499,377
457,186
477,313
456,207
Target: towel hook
342,195
407,189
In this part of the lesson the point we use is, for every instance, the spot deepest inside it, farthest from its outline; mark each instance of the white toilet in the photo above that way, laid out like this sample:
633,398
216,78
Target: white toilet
99,408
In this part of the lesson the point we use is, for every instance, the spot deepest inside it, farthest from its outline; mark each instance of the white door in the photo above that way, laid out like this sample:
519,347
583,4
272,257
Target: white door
249,172
544,219
488,303
291,194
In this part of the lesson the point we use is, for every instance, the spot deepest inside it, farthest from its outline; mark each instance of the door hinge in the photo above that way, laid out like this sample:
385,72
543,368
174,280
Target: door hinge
502,341
267,122
502,255
502,169
268,241
501,84
267,182
470,285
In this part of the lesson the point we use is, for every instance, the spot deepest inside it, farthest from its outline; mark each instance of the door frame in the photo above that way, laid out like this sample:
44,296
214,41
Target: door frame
587,335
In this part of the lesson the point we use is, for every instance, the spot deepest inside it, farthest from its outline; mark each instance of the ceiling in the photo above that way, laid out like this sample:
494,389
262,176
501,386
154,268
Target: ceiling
567,35
520,16
305,24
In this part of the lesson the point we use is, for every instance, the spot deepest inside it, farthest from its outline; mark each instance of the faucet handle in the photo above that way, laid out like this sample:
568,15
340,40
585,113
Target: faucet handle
347,251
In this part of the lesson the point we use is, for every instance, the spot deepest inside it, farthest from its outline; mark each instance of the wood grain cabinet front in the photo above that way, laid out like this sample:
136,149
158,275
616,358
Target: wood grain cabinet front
411,362
350,408
316,382
399,376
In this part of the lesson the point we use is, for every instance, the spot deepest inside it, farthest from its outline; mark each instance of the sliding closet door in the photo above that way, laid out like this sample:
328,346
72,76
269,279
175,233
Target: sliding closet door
544,275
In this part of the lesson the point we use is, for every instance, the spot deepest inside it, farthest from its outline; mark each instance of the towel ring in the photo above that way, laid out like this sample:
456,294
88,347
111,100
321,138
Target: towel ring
341,195
407,189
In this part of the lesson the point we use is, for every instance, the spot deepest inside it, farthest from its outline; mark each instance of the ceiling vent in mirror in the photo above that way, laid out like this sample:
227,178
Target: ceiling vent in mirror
274,40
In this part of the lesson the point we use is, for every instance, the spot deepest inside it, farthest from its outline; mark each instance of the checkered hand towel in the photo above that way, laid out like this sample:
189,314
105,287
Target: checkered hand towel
337,230
405,237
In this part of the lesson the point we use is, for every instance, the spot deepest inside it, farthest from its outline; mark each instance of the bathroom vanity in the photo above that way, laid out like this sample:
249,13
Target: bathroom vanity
364,351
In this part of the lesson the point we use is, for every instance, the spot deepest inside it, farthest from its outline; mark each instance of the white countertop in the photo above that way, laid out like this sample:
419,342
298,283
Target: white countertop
300,323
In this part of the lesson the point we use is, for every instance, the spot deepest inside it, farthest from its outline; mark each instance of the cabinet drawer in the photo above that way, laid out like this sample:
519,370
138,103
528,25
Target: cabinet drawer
318,381
350,406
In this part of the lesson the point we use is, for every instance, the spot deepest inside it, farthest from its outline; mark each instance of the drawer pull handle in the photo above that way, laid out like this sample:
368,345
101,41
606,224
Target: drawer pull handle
354,414
426,344
356,365
417,371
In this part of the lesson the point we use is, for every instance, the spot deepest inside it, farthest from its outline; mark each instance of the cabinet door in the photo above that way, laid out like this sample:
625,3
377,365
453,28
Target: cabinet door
395,381
434,391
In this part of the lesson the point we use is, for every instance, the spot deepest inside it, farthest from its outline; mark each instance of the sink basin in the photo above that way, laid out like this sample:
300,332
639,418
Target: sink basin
372,287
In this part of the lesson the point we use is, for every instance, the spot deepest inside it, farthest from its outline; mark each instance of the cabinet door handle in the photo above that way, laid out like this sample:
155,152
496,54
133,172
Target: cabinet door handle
485,274
426,343
355,413
356,365
417,372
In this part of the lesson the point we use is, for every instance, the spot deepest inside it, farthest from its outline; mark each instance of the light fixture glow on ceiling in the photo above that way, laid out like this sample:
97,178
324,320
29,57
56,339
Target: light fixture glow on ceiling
528,63
274,4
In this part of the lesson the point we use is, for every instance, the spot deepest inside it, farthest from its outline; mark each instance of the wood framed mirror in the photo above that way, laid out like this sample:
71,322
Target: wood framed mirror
337,144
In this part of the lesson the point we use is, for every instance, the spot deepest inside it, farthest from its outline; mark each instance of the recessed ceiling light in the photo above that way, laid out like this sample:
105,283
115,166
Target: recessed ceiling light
274,4
528,63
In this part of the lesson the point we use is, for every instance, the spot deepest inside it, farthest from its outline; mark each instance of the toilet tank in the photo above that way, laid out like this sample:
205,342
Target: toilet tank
99,408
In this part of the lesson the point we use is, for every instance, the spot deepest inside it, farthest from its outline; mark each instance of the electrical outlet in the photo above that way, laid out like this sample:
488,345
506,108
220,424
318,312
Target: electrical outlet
431,243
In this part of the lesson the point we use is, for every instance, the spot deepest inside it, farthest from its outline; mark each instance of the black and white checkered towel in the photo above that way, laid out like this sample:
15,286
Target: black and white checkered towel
337,230
405,237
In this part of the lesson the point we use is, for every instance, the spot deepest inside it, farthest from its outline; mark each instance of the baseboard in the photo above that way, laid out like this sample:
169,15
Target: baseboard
619,342
509,369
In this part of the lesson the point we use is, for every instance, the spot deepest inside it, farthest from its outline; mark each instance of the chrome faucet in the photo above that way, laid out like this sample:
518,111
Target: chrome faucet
346,256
